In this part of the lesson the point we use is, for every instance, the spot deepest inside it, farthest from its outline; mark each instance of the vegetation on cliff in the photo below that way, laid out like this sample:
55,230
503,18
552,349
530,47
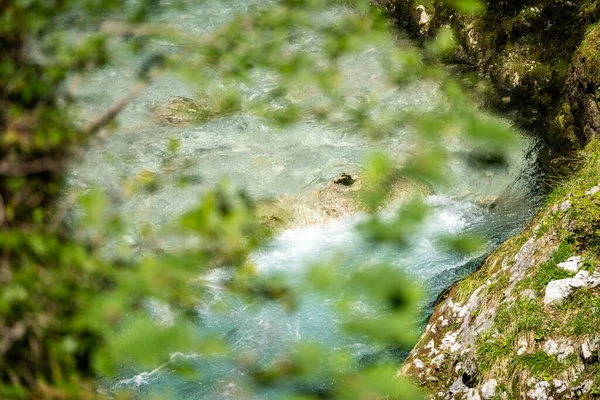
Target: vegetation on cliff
532,50
526,322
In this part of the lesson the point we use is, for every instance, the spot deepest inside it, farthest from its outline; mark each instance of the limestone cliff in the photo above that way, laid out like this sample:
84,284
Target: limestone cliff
525,325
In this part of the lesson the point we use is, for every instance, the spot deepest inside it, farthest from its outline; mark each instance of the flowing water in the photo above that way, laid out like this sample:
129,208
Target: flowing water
268,163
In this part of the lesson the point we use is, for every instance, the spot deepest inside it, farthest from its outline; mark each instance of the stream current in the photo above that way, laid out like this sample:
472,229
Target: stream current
268,163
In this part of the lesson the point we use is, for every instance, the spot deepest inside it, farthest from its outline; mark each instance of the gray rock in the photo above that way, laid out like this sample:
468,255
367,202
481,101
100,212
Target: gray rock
488,389
593,281
457,387
558,290
589,349
565,349
583,388
523,260
551,347
528,294
521,347
472,394
572,264
593,191
559,386
565,205
540,391
418,364
582,276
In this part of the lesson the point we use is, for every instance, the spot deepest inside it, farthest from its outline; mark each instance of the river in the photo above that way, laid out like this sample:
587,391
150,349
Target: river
268,163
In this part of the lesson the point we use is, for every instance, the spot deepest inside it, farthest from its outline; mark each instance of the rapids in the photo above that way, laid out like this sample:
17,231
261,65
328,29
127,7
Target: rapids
268,163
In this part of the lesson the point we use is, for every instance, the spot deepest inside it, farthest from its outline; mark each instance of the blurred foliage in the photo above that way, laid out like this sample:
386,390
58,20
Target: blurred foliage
69,315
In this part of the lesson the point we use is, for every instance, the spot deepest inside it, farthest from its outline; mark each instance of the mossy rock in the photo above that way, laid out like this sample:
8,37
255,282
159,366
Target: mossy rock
527,49
495,326
177,110
274,214
579,112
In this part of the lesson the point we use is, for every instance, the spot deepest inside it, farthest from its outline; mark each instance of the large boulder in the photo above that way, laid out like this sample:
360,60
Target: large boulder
560,289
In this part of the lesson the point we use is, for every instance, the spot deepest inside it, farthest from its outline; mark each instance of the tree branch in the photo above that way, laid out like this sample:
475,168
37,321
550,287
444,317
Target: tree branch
100,121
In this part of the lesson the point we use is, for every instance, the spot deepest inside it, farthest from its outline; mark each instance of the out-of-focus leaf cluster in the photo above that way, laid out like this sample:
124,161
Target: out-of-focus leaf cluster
68,314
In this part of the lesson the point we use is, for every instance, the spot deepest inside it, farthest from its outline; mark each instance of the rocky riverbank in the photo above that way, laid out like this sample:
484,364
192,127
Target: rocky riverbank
525,325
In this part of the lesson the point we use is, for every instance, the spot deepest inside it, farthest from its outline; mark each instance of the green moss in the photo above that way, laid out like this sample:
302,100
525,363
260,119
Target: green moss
527,49
490,350
580,314
465,288
540,364
589,53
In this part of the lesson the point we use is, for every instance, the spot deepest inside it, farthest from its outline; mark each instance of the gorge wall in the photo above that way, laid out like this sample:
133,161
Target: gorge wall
526,324
542,56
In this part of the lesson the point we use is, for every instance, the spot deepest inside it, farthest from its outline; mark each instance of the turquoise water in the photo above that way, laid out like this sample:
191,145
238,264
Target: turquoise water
268,163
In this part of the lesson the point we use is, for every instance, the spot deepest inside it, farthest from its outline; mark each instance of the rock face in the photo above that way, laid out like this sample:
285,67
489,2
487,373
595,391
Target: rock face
580,109
525,325
532,51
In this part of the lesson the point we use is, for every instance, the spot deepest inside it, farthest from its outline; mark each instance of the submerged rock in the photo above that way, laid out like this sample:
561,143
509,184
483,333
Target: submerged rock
275,214
337,199
490,202
177,110
344,179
